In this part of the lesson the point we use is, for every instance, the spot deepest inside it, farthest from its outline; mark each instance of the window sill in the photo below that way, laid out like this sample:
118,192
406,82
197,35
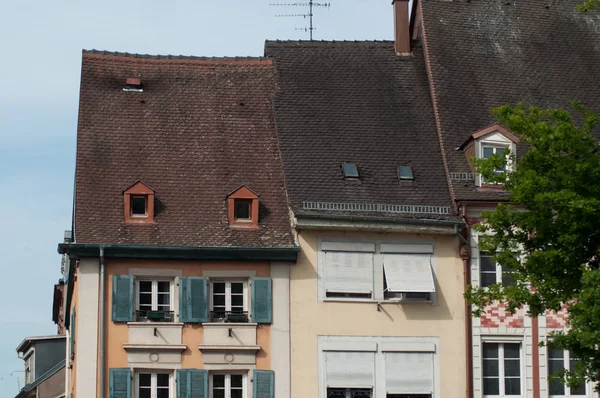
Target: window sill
229,324
215,347
155,347
373,301
156,324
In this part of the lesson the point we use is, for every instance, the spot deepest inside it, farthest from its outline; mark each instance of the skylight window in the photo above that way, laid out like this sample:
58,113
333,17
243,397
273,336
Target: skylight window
350,170
405,173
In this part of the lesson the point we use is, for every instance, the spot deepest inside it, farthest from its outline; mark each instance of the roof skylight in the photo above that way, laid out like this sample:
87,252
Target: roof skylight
405,173
350,170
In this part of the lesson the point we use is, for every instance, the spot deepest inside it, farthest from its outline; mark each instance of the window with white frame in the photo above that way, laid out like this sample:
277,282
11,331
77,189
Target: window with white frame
560,360
29,368
349,374
229,301
155,300
228,385
502,373
491,272
154,385
373,270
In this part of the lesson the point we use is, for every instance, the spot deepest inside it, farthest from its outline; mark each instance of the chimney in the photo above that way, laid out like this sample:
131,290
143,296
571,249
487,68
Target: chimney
401,27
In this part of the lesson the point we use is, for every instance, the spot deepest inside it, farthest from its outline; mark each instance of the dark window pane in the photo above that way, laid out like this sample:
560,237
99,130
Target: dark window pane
511,350
162,393
218,393
237,301
555,365
145,299
146,286
219,287
164,299
507,275
405,173
164,287
138,205
237,380
490,350
218,380
242,209
512,386
556,353
500,151
490,367
350,170
488,279
145,379
487,152
237,393
144,393
237,288
556,388
162,380
579,390
491,387
512,367
336,393
218,300
486,263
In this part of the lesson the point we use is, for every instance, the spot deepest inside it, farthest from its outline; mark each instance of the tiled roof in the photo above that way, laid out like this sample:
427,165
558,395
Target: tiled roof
200,128
356,102
486,53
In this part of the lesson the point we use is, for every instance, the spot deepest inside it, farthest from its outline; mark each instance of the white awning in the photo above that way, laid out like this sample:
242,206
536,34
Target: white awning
408,273
348,272
350,369
408,372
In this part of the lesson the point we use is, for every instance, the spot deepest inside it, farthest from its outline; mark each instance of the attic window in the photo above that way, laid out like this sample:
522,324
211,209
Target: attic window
405,173
350,170
133,84
242,208
138,206
139,203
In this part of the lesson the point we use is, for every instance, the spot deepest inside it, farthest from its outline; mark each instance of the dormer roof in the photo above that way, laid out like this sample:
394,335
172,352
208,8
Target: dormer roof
242,192
139,188
495,128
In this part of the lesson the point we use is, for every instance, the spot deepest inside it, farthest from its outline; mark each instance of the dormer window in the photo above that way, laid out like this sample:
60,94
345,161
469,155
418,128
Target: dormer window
139,203
243,208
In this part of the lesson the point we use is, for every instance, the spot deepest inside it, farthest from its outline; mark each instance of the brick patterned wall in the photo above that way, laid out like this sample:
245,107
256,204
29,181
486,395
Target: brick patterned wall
497,315
557,320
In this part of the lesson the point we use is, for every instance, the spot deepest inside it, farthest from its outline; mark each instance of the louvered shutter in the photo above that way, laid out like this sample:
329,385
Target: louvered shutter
262,300
72,332
122,299
348,272
193,299
264,384
350,369
409,372
192,383
408,273
120,383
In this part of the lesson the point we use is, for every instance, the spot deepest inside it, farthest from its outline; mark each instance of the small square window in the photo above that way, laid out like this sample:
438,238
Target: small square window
138,206
350,170
405,173
243,209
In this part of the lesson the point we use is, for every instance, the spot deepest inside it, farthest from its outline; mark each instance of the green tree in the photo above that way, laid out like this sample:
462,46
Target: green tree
588,5
549,232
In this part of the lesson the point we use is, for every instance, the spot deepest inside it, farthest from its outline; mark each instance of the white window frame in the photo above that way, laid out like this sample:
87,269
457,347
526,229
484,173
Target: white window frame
153,390
227,375
494,140
567,366
501,375
499,271
29,359
228,292
155,281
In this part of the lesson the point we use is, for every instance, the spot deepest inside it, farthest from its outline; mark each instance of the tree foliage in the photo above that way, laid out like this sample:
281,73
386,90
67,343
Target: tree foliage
549,234
588,5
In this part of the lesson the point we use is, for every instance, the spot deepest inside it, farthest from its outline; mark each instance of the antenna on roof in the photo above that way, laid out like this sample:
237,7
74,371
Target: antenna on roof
310,4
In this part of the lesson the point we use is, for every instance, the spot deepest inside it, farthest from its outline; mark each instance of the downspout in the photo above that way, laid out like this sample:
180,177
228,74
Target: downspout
102,321
466,257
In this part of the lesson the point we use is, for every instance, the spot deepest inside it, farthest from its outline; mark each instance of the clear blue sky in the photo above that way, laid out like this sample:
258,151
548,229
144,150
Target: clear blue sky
41,43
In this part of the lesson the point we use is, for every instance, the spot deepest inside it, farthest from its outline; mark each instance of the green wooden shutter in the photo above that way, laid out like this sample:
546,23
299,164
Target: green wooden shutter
264,384
192,383
122,299
262,300
193,299
72,333
120,383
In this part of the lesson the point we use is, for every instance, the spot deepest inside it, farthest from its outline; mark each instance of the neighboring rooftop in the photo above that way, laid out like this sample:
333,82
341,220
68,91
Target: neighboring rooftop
198,129
28,340
357,102
483,54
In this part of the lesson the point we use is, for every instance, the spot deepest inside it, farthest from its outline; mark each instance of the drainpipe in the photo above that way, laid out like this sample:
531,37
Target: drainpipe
102,321
468,320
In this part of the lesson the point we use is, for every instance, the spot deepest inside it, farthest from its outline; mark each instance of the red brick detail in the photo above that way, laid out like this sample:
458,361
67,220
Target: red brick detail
557,320
496,315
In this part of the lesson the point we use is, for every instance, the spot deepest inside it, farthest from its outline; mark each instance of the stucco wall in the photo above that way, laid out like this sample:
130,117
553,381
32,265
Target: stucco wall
311,318
52,387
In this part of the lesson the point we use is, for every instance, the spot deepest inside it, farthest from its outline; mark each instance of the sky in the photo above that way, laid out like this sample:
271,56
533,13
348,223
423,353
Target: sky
40,47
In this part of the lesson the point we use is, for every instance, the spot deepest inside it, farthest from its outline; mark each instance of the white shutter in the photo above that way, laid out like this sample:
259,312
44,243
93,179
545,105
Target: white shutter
348,272
409,372
408,273
350,369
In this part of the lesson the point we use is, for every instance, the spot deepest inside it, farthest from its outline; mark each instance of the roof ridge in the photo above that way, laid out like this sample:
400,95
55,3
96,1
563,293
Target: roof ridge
170,56
317,42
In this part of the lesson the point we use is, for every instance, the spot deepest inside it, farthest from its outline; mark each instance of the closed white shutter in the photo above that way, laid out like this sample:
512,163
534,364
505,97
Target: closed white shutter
350,369
408,273
409,372
348,272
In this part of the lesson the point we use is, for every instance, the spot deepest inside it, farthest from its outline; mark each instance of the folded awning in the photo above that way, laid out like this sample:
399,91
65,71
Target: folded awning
408,273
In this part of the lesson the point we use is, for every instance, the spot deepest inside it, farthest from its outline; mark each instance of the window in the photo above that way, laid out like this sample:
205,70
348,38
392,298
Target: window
502,369
155,301
487,150
138,206
243,210
405,173
227,385
229,301
491,272
408,277
348,274
29,370
154,385
559,360
349,393
350,170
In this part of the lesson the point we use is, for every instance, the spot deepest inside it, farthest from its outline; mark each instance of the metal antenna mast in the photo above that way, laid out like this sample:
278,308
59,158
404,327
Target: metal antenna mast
311,4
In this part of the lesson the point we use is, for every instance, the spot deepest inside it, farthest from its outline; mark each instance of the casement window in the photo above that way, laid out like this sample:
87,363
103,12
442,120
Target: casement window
379,271
228,385
150,300
229,301
559,360
29,368
502,373
154,385
154,300
491,272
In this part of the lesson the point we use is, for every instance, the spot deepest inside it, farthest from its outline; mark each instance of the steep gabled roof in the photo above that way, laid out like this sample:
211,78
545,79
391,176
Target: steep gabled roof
357,102
486,53
200,128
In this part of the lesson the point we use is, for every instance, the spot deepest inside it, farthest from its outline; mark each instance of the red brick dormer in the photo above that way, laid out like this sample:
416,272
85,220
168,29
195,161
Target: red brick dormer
242,208
139,203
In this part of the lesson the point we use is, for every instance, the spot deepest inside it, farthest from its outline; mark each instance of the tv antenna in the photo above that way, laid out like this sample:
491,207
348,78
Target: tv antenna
310,4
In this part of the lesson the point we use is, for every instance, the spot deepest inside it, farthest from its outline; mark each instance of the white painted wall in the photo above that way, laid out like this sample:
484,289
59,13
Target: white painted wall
280,329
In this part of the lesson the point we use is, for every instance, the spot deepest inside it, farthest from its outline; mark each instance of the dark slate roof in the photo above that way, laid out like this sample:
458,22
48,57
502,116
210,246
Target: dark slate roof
201,128
356,102
486,53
